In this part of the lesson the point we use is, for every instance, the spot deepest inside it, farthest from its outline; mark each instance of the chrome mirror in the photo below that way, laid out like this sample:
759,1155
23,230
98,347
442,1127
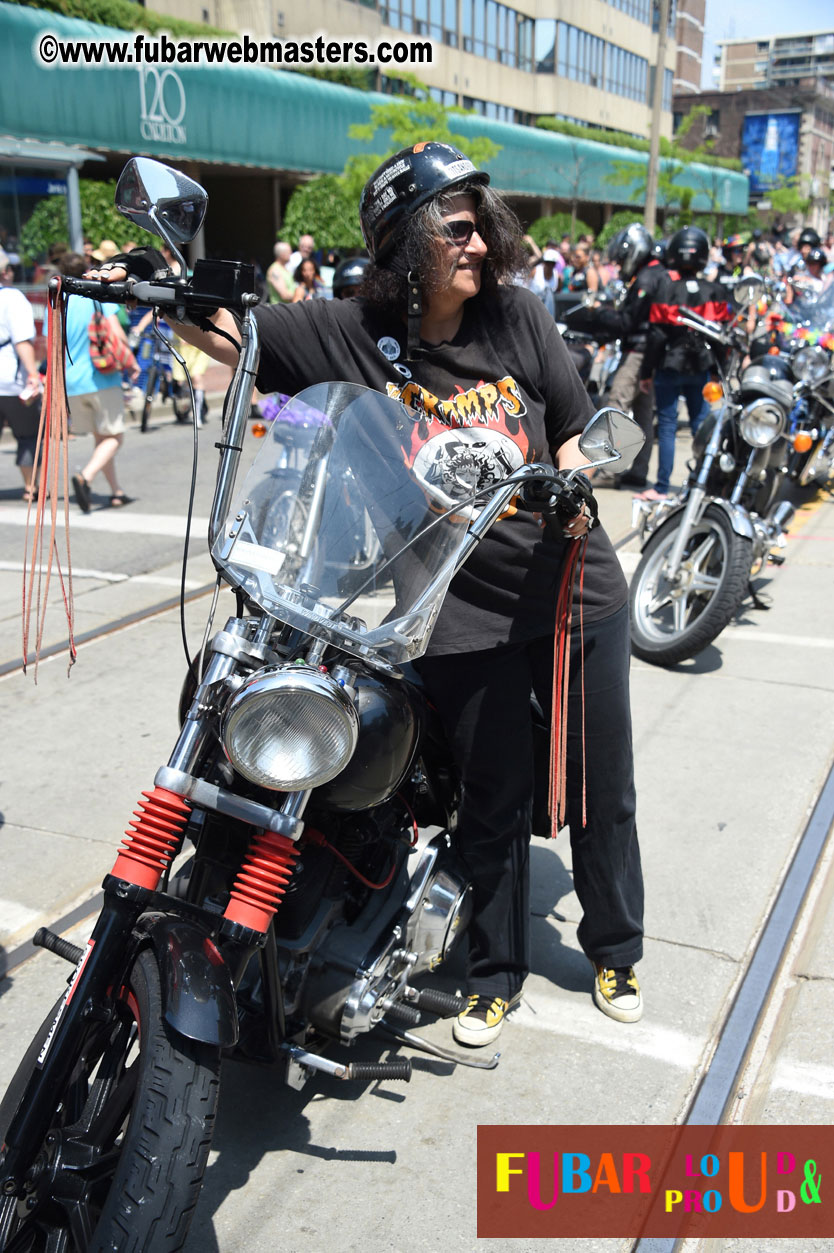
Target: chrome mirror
611,435
748,290
162,200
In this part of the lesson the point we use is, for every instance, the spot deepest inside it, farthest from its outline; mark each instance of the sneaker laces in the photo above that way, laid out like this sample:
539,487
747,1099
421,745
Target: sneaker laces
618,981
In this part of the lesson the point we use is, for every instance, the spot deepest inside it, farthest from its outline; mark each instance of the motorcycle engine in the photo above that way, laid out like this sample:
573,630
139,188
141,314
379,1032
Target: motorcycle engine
405,936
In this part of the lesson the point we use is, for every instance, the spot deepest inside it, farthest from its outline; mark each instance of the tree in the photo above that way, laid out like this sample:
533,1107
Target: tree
674,196
556,225
100,219
328,206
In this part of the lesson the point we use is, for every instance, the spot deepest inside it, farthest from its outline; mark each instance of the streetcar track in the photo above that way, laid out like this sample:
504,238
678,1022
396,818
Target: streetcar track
737,1036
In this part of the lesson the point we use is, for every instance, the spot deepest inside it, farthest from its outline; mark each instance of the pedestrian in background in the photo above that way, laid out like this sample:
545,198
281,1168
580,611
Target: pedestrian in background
280,285
96,399
19,378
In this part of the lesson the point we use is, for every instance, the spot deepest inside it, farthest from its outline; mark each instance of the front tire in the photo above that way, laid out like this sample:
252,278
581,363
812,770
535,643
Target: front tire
122,1164
671,622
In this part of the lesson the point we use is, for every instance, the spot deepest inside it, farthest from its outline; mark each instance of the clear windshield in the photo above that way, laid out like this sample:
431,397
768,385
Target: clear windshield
811,314
333,533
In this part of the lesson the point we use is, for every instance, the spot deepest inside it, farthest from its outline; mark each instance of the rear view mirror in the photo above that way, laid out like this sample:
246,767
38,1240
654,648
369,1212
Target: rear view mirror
748,290
611,435
161,200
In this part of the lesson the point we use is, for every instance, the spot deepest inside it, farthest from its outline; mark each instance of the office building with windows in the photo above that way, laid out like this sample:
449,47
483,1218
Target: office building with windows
775,60
509,62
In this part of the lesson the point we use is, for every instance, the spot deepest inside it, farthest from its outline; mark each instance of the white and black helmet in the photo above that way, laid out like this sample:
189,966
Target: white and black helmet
631,249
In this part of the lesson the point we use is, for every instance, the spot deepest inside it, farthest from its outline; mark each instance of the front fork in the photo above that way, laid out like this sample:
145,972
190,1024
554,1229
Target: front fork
150,845
695,498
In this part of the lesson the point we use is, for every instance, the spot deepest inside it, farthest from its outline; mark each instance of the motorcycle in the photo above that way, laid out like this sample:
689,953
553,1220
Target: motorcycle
702,547
596,349
313,910
808,328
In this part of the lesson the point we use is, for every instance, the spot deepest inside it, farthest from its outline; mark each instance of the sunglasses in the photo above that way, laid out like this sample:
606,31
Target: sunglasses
459,232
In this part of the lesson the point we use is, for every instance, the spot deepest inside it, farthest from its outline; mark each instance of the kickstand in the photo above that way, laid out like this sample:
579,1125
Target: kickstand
758,602
459,1059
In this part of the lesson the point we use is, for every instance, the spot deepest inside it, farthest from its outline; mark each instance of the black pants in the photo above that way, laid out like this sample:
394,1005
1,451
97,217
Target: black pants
484,701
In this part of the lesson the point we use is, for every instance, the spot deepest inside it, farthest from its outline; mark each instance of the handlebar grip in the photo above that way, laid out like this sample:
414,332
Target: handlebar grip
94,288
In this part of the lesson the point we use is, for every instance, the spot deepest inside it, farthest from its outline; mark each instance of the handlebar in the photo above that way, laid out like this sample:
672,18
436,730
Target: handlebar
213,285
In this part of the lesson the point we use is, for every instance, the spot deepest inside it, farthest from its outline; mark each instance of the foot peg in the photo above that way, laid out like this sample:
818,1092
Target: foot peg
399,1069
444,1004
44,938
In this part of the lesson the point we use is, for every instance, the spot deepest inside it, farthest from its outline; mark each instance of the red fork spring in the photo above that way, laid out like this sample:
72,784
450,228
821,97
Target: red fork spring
262,880
150,846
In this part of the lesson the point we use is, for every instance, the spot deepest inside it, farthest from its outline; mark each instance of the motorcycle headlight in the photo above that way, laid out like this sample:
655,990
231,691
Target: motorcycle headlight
290,728
761,423
811,364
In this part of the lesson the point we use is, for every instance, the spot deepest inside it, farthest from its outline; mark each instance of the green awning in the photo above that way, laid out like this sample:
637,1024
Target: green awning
270,119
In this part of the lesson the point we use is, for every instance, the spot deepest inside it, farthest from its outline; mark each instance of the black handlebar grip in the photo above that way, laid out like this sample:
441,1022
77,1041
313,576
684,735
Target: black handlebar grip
94,288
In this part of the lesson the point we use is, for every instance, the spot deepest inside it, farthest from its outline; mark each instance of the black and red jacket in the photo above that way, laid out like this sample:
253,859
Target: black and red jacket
673,347
631,321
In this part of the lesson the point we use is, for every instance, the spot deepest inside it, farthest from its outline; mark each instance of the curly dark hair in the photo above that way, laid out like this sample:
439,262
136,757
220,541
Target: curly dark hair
387,285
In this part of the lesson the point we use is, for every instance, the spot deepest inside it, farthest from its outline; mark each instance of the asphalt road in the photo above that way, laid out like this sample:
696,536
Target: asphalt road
731,753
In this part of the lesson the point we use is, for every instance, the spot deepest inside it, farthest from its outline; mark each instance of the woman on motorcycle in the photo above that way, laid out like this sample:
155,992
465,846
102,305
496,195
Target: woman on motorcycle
441,325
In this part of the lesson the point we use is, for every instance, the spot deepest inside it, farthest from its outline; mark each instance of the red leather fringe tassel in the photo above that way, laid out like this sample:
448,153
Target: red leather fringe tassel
561,675
51,456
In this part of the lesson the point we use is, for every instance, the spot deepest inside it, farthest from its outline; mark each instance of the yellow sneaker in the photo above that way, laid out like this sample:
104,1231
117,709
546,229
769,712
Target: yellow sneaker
481,1021
617,992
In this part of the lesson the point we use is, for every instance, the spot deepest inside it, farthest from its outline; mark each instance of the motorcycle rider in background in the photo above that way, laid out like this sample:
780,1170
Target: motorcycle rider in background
634,251
440,325
643,272
677,356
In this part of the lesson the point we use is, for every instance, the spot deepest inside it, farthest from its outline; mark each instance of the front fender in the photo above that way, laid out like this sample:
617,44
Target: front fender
198,996
738,516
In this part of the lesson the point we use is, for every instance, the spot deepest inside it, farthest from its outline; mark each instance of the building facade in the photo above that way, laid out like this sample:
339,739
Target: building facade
689,37
510,62
781,134
775,60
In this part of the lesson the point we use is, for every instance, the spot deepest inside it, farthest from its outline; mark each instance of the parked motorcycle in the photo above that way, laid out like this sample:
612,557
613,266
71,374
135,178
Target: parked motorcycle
312,910
703,546
808,333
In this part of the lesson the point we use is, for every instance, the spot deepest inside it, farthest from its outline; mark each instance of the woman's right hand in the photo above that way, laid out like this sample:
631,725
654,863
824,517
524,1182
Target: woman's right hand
107,274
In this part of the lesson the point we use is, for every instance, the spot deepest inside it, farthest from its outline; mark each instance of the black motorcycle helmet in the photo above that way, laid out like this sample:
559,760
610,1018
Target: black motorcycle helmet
349,275
816,257
660,251
404,182
633,249
393,193
808,236
688,249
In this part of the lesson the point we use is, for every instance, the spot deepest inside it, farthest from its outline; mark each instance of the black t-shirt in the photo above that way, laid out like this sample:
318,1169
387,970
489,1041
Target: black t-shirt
501,393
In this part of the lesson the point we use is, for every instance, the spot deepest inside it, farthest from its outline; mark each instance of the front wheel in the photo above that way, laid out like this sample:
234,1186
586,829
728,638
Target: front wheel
123,1161
672,620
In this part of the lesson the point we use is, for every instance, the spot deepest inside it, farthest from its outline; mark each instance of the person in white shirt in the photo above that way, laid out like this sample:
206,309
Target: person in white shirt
544,281
18,375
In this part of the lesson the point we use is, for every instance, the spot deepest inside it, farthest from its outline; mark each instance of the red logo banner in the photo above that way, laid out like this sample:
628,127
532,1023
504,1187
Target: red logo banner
628,1182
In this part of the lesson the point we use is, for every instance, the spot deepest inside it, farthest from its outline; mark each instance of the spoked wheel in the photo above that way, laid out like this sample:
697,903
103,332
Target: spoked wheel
675,619
122,1163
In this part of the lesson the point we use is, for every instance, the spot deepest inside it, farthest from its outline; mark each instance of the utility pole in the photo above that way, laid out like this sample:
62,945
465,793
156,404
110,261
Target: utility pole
657,108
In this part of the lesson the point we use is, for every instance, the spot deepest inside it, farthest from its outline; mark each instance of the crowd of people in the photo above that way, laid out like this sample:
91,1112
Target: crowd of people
661,362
